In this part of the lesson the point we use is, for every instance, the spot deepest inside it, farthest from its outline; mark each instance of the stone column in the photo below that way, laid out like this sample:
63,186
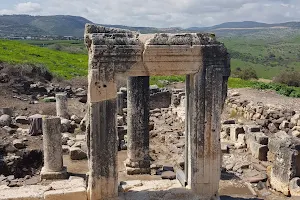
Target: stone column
187,129
102,137
120,103
53,160
138,161
62,105
206,99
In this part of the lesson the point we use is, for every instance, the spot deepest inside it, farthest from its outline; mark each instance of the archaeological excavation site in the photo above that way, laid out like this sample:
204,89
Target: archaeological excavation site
114,136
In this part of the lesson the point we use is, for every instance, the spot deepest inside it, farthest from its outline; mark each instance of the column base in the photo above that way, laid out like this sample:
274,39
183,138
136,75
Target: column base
54,175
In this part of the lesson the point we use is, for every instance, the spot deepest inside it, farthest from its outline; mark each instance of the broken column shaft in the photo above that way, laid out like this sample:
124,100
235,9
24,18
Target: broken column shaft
138,125
62,105
52,142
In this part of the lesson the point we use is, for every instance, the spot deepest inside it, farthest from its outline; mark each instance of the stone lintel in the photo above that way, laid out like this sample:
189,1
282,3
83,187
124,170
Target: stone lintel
134,54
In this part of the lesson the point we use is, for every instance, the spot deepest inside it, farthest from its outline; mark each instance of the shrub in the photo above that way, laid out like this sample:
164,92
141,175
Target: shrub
279,88
290,78
245,74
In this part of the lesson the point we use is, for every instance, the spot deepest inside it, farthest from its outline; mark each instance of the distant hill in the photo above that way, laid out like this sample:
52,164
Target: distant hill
247,25
64,25
26,25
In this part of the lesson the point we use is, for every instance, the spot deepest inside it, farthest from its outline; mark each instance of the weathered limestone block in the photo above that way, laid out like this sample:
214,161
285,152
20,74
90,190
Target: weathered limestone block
241,141
62,105
256,116
22,120
71,193
72,189
285,124
5,120
235,130
252,128
272,128
261,138
295,187
138,126
52,142
28,192
285,166
77,153
160,100
275,142
259,151
295,119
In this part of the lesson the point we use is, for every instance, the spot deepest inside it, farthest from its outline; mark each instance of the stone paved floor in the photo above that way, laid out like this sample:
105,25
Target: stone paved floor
172,190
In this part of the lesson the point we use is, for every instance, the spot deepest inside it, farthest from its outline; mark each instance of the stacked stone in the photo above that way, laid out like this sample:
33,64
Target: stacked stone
271,118
280,149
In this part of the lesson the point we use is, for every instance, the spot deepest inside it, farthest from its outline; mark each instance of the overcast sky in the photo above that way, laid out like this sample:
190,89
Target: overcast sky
161,13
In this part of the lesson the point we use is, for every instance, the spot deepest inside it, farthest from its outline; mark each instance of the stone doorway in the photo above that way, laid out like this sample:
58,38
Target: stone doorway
206,64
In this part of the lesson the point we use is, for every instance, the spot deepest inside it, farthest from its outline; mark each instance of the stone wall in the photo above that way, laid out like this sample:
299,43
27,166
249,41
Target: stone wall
270,117
159,97
273,138
271,134
160,100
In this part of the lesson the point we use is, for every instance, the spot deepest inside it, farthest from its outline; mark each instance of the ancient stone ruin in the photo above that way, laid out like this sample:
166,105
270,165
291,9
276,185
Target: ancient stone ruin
114,53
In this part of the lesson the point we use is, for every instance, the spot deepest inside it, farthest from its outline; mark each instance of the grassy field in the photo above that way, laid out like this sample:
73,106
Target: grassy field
70,46
60,63
68,59
267,56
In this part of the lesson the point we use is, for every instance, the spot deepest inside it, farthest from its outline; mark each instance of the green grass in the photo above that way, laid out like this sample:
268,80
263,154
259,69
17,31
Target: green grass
237,83
240,83
159,80
71,59
60,63
70,46
268,57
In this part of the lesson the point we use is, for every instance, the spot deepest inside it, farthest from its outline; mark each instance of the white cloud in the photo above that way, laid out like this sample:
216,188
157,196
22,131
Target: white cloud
164,13
5,12
28,7
23,8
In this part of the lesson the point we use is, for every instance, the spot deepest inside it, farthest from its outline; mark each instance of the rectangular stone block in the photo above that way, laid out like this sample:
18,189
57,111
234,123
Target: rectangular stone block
252,128
275,142
32,192
250,137
235,130
259,151
261,138
284,169
69,194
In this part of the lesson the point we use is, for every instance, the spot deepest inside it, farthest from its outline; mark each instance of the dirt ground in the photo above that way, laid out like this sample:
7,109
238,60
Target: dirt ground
161,150
268,97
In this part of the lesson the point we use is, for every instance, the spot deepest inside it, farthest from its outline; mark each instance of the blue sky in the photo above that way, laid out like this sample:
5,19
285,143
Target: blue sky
161,13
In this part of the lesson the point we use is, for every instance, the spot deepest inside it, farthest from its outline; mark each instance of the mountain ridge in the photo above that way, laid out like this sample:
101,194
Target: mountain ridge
67,25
